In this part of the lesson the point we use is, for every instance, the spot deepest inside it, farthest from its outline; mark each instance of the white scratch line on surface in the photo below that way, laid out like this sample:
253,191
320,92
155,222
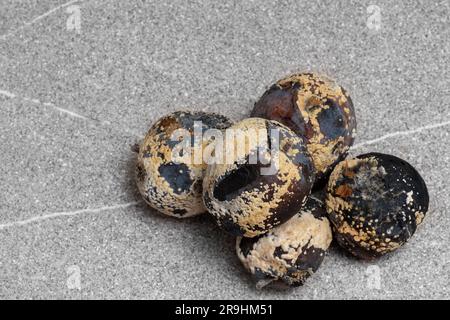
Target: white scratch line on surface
47,104
42,16
68,213
7,94
12,95
71,113
401,133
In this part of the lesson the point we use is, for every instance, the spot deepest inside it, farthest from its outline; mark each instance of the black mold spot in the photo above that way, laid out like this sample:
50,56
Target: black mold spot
246,244
316,207
278,252
177,175
331,120
180,212
310,259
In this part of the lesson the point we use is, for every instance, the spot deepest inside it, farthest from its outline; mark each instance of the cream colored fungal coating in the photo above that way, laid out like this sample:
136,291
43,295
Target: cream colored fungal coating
254,210
302,240
419,217
247,131
155,185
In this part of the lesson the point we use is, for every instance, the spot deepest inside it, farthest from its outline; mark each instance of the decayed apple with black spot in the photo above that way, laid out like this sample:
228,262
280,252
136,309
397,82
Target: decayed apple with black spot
375,203
174,186
291,252
245,198
317,109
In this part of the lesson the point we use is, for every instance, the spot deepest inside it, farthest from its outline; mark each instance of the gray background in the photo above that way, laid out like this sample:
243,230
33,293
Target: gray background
72,103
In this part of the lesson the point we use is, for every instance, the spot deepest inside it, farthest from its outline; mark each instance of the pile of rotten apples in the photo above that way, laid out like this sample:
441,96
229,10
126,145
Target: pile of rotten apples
280,209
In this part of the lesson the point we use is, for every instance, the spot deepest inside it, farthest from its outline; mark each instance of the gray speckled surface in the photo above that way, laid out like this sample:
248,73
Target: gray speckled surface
64,231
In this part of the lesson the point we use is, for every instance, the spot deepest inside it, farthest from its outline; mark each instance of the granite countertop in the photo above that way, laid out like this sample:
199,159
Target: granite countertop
82,81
